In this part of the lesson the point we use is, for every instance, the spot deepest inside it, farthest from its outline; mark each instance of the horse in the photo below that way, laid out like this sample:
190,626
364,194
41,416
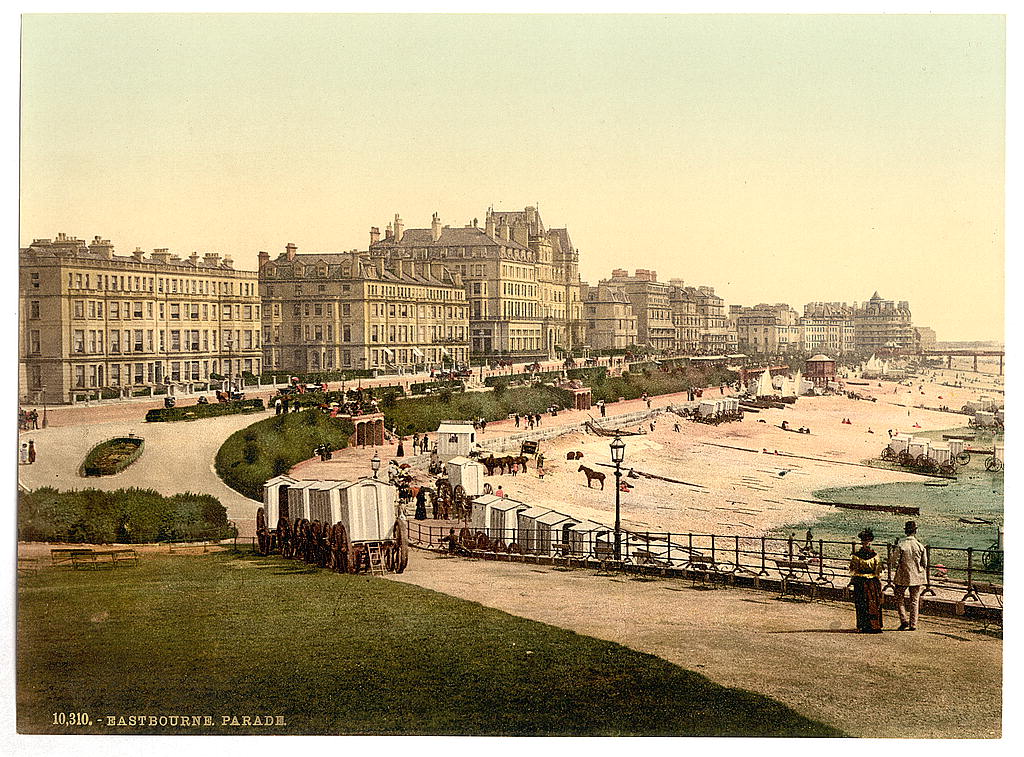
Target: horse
592,475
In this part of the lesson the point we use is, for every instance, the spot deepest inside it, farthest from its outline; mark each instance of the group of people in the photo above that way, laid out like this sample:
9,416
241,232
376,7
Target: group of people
531,420
27,454
420,445
28,420
909,565
324,451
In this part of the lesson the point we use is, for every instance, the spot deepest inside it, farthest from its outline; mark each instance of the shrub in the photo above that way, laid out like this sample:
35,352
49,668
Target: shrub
195,412
131,516
280,441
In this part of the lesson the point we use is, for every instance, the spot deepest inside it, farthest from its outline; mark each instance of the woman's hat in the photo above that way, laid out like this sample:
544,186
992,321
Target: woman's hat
866,535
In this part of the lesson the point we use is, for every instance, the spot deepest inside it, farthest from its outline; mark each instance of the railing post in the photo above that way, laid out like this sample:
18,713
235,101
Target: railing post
713,560
888,566
764,547
737,551
971,593
821,559
928,571
668,553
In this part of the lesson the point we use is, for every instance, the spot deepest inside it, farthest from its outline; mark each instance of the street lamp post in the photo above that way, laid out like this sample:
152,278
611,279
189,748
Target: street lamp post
618,449
375,463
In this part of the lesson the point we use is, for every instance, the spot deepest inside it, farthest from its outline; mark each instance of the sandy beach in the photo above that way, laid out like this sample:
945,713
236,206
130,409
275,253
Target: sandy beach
728,491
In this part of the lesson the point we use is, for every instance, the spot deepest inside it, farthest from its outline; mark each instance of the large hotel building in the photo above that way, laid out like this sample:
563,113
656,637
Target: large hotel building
353,310
93,320
521,279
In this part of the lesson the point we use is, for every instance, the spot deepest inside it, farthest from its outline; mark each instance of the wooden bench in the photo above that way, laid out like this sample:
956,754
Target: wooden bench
644,557
89,559
995,591
797,573
703,567
605,554
64,556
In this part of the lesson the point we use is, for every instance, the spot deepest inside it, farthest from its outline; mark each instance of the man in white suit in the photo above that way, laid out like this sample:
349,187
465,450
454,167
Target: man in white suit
909,576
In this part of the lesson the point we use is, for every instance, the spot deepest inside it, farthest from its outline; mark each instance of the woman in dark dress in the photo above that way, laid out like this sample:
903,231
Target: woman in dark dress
866,567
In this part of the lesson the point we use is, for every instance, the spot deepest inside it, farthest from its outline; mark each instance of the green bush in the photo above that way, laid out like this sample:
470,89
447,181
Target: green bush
195,412
112,456
277,443
126,516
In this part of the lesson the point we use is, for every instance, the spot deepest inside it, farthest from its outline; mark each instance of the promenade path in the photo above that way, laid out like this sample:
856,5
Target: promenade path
943,680
178,457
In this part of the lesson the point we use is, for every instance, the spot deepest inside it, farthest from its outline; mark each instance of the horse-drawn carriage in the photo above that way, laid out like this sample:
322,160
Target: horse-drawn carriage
347,526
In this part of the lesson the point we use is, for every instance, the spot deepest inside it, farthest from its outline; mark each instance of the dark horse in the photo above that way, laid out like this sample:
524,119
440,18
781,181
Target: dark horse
592,475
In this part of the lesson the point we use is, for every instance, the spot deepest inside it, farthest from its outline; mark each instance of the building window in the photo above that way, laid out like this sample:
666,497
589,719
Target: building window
79,341
80,376
33,309
33,342
175,310
79,309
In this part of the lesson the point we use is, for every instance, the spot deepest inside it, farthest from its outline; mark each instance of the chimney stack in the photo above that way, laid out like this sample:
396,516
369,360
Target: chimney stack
489,224
289,251
137,253
194,259
264,258
399,228
374,235
435,227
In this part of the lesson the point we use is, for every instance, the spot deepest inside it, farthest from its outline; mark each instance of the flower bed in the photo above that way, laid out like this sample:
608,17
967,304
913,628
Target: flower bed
112,456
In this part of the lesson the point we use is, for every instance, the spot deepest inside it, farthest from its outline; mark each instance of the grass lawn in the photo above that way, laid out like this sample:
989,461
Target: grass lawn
228,634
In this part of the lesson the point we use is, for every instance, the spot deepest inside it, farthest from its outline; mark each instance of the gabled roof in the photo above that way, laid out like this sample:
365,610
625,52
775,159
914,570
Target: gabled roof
451,236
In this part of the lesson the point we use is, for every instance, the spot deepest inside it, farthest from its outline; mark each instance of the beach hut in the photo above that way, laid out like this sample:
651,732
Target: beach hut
323,501
999,451
821,369
940,453
900,442
275,498
984,418
480,518
469,474
553,532
956,446
455,439
706,408
526,528
504,518
367,508
918,446
298,499
583,536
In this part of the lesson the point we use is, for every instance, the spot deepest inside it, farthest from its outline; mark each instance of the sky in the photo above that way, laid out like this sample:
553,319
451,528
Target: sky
779,158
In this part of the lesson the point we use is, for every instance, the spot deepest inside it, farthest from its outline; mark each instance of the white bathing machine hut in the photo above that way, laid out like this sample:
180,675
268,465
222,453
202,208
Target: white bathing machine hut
553,532
584,536
956,446
940,453
455,439
480,518
899,442
298,500
368,509
984,418
706,408
503,518
275,499
469,474
526,530
999,450
918,446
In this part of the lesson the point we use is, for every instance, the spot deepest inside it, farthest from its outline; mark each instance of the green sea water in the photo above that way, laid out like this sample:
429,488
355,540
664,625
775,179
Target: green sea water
975,493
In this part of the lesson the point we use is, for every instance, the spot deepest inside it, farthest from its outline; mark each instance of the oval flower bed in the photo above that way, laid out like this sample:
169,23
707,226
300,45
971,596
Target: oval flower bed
112,456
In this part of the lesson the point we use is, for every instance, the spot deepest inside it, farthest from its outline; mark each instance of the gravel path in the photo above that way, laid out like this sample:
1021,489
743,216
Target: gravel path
942,681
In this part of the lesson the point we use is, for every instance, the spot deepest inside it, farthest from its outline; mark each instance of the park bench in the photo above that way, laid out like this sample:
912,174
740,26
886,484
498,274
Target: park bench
994,592
702,568
89,559
801,574
605,554
64,556
646,559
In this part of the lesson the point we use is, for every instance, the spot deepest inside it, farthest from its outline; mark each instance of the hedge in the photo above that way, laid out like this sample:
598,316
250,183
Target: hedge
125,516
112,456
272,446
418,414
278,377
434,386
195,412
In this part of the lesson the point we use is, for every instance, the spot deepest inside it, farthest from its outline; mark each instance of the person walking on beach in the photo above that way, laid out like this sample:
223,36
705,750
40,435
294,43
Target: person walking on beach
866,568
909,575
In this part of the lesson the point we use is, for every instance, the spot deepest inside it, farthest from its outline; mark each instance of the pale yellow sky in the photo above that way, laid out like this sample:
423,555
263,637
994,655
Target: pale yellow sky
777,158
